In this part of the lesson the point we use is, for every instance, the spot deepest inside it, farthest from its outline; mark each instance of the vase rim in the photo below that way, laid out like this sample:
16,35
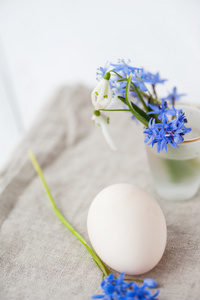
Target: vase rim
191,140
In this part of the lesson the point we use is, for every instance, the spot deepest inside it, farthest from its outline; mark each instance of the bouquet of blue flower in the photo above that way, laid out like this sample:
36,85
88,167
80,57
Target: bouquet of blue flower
126,88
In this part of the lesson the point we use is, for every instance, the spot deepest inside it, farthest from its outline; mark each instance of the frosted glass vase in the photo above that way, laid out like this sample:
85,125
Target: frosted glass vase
176,173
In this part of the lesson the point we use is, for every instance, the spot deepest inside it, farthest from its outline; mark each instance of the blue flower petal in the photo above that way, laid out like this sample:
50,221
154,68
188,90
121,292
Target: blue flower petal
150,283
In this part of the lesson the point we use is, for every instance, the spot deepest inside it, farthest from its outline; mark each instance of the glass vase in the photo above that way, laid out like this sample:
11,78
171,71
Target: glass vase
176,173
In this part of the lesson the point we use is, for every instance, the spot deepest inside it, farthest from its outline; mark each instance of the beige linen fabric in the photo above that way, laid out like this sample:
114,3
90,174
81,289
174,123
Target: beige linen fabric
39,257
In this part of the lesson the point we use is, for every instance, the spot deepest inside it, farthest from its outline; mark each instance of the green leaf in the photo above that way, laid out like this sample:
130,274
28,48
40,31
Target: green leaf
141,112
137,112
122,99
138,109
135,88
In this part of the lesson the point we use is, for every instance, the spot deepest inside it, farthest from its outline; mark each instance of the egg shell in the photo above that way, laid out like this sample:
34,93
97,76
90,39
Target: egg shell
127,229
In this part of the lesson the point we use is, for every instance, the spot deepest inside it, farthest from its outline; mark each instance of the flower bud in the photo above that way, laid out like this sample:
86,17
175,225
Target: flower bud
101,95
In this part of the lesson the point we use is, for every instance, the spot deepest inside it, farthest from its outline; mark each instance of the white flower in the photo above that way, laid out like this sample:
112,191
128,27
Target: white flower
115,104
102,120
101,95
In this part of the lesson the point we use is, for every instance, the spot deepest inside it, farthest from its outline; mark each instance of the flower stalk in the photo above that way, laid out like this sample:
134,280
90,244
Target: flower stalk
115,110
102,267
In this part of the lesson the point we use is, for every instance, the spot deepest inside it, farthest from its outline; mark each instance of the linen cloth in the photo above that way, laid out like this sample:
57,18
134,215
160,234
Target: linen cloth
39,257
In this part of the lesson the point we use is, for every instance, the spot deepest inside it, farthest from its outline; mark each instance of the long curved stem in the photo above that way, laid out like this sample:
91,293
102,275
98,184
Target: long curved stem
97,260
116,73
114,110
136,111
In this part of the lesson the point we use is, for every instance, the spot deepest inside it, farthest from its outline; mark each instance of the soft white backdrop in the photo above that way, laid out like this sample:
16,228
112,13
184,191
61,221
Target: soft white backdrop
47,43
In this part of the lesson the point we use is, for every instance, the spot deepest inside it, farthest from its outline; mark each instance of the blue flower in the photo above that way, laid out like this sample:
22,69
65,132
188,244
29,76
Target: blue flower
139,292
118,289
150,283
154,78
108,286
174,96
138,79
151,132
168,132
101,71
123,68
181,116
161,110
119,88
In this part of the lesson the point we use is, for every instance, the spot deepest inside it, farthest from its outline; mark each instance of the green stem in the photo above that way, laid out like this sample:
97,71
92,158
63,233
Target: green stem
97,260
150,95
143,93
114,109
154,91
147,96
133,279
135,88
139,96
130,105
116,73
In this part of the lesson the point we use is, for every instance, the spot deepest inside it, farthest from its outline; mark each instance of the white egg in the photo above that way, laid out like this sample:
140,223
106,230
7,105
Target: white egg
127,229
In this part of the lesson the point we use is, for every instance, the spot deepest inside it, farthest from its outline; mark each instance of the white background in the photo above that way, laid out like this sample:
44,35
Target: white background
47,43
